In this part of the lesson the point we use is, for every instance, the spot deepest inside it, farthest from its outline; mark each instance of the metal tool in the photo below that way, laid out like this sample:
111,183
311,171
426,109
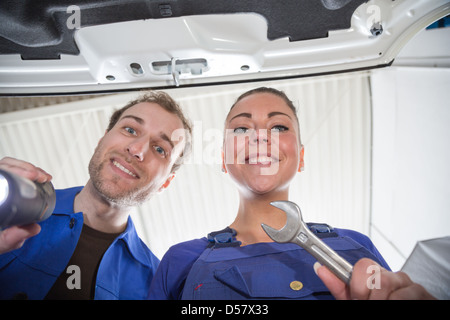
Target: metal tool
23,201
296,231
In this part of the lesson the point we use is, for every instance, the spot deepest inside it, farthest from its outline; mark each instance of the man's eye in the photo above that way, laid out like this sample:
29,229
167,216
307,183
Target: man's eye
279,128
160,150
240,130
130,130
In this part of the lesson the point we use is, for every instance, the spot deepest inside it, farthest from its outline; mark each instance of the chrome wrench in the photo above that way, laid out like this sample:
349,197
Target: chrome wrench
296,231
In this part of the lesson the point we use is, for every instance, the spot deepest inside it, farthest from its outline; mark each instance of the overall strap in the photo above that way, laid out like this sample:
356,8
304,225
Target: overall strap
223,238
227,237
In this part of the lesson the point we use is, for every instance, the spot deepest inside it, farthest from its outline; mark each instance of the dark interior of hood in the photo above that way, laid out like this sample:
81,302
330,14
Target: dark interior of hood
38,29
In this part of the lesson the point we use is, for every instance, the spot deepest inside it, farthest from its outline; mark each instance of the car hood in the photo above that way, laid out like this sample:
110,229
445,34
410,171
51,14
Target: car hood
49,46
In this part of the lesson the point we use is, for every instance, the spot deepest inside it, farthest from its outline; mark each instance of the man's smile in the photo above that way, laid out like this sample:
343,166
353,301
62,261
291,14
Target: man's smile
128,171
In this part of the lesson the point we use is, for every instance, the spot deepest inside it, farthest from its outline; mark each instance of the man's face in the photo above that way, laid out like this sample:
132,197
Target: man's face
134,159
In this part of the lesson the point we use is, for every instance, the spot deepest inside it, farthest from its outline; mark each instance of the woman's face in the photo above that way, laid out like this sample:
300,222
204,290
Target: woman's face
262,150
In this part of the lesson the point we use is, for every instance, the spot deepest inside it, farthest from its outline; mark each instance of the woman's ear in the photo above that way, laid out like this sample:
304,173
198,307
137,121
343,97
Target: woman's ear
301,165
224,169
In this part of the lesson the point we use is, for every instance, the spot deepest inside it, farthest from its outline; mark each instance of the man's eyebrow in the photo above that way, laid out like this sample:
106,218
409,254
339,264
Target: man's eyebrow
166,138
162,135
137,119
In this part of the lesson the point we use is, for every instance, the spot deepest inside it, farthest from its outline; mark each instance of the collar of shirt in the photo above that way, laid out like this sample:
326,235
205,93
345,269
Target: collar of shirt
129,236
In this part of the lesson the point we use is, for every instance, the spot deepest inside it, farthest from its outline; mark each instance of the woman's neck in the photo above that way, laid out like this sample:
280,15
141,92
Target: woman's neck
252,213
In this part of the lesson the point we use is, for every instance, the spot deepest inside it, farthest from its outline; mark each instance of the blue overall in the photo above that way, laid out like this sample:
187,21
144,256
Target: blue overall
268,270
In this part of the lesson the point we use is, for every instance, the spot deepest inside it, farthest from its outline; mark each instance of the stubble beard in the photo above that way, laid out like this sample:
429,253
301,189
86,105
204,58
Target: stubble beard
108,189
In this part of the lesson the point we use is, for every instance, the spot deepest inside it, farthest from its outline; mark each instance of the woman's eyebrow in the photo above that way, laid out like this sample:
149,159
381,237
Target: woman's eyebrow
244,114
276,113
271,114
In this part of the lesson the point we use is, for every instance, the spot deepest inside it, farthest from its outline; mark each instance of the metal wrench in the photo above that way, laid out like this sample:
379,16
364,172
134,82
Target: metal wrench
296,231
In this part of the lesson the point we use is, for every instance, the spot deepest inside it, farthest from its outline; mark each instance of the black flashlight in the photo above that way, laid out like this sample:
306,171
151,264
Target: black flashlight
23,201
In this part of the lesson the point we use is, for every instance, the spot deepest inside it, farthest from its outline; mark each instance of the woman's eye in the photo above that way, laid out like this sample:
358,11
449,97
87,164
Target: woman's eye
240,130
160,150
130,130
279,128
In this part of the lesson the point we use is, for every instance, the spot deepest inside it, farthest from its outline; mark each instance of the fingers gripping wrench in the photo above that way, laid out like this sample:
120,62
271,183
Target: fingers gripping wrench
296,231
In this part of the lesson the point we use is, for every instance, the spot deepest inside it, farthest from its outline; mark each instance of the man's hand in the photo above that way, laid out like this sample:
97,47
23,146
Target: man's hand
388,285
24,169
13,238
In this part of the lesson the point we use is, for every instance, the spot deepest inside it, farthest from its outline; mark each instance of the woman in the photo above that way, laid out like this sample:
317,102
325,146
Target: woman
262,153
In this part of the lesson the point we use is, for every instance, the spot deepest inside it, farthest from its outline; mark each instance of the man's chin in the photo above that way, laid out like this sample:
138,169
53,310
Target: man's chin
116,192
122,199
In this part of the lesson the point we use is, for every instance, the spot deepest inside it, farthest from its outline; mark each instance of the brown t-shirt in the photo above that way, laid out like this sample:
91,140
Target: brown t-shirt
77,281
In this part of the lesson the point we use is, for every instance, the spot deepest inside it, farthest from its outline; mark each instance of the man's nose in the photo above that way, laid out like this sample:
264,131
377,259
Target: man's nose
138,149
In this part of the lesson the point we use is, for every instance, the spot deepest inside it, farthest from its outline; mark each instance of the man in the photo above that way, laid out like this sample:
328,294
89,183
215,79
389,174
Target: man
88,248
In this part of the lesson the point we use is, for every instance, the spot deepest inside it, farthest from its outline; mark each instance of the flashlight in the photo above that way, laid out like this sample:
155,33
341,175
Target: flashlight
23,201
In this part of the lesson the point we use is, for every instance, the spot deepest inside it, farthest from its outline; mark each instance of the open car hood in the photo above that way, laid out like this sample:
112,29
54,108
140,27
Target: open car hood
82,46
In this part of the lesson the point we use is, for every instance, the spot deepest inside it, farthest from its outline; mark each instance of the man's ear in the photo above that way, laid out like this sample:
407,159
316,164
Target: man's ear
301,165
166,184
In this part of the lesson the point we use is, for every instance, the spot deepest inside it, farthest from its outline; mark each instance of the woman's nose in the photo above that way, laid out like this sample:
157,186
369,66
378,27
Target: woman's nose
260,136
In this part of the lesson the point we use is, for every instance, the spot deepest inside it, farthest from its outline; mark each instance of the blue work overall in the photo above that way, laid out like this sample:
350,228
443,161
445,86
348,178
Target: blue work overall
268,270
